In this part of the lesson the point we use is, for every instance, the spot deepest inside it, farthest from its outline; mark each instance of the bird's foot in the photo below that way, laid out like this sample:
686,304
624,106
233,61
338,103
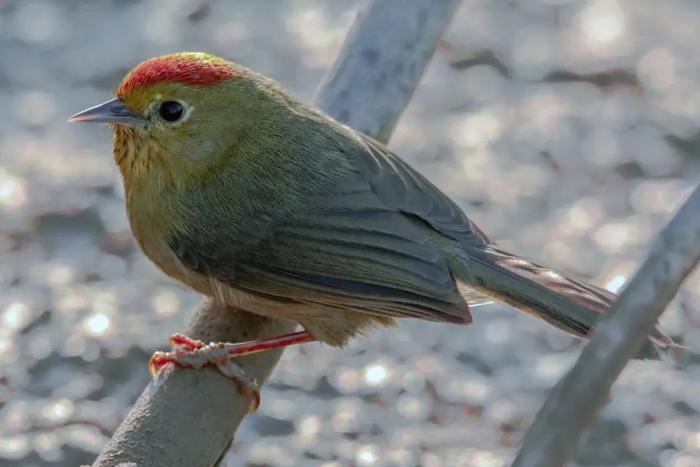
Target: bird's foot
193,353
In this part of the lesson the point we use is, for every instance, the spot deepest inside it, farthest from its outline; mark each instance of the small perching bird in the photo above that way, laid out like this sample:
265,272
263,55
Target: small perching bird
249,196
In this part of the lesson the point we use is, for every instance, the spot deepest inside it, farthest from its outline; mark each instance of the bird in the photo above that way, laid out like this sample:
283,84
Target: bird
250,196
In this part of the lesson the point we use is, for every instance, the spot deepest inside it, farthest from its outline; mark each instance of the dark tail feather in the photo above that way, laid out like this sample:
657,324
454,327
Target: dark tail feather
546,294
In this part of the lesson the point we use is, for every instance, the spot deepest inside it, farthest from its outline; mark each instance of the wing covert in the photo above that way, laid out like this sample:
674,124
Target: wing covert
401,187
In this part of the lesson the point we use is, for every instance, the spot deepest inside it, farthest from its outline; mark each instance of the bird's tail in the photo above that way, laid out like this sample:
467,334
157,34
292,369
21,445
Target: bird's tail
563,302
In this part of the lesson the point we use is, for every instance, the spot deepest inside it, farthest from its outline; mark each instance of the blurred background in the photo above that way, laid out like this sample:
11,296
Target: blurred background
568,130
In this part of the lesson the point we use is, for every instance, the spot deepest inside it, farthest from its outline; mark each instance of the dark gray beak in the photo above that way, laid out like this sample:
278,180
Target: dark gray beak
112,111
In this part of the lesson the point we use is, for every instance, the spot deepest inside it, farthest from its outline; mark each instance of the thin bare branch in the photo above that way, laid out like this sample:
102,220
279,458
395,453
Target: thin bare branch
574,402
188,417
381,62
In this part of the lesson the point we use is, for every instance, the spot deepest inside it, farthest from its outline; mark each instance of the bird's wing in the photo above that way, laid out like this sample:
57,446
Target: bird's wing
350,252
402,188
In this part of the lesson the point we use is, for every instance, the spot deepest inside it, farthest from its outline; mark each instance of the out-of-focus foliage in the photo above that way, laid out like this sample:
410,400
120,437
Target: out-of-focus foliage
567,129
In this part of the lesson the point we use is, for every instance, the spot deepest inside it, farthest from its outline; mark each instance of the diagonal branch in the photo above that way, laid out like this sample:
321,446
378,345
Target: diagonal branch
188,417
574,402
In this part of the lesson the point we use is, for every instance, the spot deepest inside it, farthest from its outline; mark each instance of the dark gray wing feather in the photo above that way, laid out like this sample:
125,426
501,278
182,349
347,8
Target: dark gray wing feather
401,187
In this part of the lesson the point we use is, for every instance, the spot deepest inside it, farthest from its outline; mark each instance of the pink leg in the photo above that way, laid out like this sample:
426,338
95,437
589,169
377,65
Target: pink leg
268,343
195,354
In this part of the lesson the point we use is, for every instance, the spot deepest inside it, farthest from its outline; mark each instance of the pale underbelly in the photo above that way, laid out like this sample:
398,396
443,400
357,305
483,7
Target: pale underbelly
227,295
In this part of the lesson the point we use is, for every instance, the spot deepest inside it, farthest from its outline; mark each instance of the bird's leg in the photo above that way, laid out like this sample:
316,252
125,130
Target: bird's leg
193,353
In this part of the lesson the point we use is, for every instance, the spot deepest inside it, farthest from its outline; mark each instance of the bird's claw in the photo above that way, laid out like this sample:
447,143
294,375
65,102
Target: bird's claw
193,353
182,342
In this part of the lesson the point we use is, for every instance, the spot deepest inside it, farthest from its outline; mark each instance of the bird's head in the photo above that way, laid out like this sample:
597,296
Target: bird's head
176,117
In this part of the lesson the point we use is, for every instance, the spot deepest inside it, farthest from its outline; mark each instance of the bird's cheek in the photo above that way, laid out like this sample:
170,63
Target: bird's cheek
204,149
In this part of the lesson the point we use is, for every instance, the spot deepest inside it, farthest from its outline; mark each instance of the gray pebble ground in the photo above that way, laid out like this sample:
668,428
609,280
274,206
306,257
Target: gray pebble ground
567,129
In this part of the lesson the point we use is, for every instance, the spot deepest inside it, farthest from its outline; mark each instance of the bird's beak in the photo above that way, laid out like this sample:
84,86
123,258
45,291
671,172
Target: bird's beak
113,111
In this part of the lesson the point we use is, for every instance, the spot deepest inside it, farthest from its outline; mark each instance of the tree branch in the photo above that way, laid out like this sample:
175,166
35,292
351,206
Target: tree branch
574,402
382,60
188,417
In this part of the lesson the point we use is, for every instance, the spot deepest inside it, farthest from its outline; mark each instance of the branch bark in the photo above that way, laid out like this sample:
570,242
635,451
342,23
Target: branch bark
188,417
574,402
383,58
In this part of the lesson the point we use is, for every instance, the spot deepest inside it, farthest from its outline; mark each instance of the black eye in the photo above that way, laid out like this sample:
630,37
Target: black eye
170,111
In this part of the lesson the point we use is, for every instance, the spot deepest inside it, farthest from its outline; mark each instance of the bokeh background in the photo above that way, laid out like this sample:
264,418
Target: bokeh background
567,129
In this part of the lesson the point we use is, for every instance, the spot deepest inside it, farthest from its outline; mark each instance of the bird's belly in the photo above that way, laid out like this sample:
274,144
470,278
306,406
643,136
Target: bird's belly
157,249
252,303
168,262
326,324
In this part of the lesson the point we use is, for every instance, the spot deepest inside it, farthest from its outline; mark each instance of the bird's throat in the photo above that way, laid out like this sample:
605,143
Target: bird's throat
152,194
133,154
